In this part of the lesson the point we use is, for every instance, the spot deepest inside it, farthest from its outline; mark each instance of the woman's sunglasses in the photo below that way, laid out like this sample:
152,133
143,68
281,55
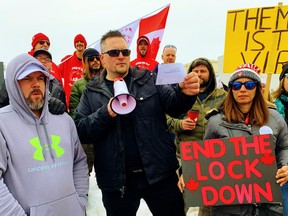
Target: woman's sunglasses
249,85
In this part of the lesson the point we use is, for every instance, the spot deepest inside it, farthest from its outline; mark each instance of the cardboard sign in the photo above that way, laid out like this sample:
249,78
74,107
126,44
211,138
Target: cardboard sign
230,171
258,36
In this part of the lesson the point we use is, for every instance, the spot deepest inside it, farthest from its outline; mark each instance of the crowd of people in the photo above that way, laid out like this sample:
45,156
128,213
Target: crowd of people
57,123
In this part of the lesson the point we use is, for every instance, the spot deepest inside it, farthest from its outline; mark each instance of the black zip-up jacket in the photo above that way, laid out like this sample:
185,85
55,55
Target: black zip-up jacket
155,143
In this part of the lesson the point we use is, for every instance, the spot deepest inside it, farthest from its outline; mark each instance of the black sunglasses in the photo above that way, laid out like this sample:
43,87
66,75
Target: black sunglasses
249,85
116,53
91,58
43,41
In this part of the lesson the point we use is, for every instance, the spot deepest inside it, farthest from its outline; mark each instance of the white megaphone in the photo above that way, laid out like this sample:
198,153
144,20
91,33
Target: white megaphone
122,103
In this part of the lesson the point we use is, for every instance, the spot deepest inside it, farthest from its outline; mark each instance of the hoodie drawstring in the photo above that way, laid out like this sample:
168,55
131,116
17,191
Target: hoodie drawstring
48,141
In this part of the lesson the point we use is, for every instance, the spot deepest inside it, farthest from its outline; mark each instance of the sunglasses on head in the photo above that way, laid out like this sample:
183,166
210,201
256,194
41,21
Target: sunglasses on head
170,46
43,41
249,85
91,58
116,53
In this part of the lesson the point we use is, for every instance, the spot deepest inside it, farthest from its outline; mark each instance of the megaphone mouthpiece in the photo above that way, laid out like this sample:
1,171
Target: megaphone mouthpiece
122,100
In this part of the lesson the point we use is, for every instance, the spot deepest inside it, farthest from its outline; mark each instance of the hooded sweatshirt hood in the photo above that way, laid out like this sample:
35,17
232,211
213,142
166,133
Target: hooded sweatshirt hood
15,69
147,61
148,53
212,84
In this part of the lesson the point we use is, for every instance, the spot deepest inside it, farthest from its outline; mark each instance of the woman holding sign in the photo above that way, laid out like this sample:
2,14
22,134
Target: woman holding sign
244,113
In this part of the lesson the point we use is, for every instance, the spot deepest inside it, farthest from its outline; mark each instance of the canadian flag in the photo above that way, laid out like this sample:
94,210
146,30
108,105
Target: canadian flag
128,31
153,27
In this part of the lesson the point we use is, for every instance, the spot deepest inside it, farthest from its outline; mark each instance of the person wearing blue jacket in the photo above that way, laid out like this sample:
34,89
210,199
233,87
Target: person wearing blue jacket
43,168
135,156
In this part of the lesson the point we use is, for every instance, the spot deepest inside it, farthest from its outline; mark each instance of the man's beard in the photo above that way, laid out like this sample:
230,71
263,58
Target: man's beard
35,105
203,84
94,70
143,53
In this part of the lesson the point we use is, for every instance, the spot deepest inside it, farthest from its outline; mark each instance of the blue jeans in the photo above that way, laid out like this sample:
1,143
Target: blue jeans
163,198
284,190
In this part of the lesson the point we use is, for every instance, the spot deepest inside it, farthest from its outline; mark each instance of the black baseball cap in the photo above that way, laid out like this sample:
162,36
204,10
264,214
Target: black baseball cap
42,51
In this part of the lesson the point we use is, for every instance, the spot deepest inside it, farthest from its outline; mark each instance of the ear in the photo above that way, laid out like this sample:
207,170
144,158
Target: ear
102,60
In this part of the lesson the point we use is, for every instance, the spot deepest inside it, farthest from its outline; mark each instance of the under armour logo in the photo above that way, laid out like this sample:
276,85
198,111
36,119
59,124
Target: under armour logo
38,154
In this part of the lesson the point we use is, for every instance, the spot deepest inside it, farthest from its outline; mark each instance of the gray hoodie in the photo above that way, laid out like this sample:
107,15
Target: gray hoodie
43,168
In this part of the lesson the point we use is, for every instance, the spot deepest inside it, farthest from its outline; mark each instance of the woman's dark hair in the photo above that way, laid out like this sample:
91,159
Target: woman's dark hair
259,113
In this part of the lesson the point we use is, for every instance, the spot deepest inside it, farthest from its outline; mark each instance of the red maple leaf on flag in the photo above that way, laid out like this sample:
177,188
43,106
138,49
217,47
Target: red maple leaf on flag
192,185
155,44
267,159
153,27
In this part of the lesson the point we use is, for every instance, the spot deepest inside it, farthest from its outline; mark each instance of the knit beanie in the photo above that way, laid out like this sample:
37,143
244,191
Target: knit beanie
38,37
246,70
90,52
81,38
284,71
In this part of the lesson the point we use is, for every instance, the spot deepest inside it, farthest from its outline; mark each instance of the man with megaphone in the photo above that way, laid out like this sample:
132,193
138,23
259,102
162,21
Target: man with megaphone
135,155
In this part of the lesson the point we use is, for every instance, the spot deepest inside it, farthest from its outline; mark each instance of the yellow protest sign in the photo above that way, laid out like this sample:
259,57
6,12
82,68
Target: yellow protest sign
258,36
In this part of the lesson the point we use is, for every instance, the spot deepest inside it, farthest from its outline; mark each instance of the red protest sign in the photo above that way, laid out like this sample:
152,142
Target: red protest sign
230,171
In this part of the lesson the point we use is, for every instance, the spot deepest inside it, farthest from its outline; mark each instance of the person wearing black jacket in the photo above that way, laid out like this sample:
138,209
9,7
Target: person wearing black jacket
135,156
57,98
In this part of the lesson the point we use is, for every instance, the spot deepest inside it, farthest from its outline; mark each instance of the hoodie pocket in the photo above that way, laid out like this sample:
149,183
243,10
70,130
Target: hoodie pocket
67,206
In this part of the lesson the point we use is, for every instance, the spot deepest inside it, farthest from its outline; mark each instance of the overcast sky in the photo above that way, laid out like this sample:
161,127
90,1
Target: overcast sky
197,28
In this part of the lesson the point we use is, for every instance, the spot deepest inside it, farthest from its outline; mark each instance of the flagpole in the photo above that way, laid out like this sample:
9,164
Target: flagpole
136,20
155,11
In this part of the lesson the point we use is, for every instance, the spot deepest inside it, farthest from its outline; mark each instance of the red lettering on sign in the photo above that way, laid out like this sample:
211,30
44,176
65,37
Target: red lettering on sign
186,151
250,168
227,190
204,150
259,144
258,190
244,192
212,149
213,194
199,175
214,145
213,168
231,172
264,144
238,193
